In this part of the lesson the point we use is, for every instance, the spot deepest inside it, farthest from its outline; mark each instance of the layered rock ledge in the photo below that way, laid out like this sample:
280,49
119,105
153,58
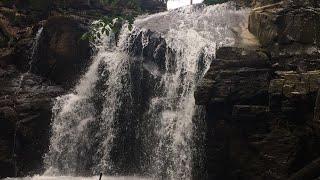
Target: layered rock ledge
260,116
263,104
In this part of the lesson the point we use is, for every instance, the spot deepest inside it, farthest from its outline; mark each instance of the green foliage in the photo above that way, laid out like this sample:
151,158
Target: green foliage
107,25
211,2
123,11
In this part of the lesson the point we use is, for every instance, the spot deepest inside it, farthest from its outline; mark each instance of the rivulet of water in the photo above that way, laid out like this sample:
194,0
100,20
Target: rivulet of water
34,48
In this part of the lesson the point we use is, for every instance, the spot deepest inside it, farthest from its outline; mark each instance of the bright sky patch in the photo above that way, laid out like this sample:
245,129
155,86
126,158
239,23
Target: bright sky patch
172,4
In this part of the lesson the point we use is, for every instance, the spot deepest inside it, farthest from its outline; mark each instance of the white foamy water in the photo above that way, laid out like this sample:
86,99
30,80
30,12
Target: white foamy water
70,150
32,58
194,33
131,116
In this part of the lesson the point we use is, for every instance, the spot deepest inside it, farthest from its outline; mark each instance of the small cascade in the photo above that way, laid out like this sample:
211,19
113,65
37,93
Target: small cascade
133,112
80,123
32,58
34,48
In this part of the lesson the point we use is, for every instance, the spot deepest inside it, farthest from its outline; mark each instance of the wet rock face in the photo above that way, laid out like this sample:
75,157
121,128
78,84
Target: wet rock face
238,74
291,83
259,114
62,53
25,108
293,22
262,106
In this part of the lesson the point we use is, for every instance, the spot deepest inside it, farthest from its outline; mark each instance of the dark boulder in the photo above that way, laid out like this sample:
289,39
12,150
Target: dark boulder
25,108
63,54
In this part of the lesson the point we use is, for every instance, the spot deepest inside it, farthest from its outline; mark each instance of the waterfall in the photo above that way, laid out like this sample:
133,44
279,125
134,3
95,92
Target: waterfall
76,115
193,34
133,112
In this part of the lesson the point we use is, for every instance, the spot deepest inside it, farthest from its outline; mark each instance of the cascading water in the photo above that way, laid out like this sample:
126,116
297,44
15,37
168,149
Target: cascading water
80,127
32,58
193,34
34,48
133,112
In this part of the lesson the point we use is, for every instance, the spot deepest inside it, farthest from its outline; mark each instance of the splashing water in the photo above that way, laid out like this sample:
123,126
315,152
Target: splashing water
134,112
75,113
193,33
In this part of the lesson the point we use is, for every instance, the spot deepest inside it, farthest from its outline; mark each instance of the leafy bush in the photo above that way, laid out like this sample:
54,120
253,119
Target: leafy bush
106,25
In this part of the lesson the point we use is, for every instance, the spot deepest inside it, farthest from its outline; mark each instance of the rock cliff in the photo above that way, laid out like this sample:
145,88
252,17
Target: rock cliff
262,104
